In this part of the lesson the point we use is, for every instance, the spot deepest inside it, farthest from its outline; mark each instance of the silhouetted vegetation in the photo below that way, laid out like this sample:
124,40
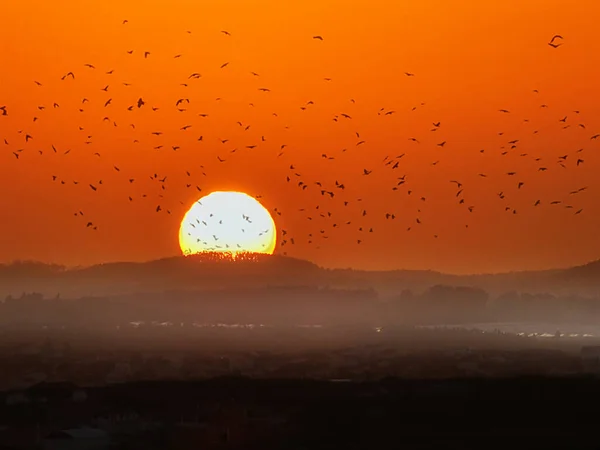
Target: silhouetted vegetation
298,305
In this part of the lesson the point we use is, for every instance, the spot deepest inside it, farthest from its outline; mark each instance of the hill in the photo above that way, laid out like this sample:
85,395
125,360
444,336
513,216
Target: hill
210,271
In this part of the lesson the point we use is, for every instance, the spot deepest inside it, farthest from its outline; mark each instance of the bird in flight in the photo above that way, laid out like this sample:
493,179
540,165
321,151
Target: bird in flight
555,37
320,38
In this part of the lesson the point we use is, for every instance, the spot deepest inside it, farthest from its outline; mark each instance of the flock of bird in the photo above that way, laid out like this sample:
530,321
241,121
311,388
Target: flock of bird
333,212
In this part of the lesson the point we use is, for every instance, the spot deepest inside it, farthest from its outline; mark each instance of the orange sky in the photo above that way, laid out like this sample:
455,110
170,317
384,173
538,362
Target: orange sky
470,59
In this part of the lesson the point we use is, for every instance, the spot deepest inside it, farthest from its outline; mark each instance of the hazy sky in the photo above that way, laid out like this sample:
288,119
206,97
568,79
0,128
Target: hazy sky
469,59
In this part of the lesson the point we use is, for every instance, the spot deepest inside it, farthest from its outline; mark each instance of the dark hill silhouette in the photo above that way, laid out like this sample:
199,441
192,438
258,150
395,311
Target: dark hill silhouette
591,269
28,269
200,268
214,271
583,279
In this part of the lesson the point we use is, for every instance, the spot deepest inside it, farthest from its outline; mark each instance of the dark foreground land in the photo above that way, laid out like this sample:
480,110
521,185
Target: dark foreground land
240,413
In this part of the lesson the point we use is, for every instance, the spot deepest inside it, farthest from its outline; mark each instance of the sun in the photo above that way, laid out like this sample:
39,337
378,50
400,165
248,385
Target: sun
227,222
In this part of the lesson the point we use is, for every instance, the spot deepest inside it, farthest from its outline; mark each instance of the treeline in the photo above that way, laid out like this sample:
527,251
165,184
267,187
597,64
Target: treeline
273,305
449,304
298,305
29,269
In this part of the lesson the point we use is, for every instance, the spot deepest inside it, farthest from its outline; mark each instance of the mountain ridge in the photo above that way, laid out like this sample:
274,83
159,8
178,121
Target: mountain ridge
211,271
593,264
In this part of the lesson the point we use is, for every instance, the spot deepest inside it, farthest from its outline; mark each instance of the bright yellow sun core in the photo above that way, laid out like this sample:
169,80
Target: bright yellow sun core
228,222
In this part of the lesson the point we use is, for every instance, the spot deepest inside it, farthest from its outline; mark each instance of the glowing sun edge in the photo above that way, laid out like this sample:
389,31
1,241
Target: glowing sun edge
228,254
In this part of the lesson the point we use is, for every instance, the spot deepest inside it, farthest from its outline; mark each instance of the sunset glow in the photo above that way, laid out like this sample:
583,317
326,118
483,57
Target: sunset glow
345,116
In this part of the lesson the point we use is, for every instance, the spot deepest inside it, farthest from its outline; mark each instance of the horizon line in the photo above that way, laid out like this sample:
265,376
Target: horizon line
264,255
